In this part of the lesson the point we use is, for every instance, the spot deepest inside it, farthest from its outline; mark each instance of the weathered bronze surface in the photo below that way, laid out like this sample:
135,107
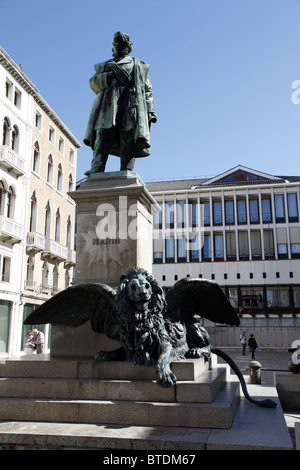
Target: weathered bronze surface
121,115
154,329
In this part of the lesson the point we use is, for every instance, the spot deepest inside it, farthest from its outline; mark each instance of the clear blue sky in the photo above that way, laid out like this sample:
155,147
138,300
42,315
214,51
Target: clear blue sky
221,72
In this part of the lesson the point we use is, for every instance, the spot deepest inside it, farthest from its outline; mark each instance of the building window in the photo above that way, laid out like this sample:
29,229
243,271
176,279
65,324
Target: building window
59,178
5,269
243,246
218,247
30,272
170,249
45,276
180,208
181,249
47,224
205,213
10,203
61,145
194,249
55,276
295,250
229,212
157,250
217,212
253,210
50,170
279,208
15,139
193,215
169,207
33,213
268,244
252,298
6,131
38,120
230,246
266,210
255,244
296,295
70,188
4,325
206,250
69,233
282,250
295,242
241,211
17,98
57,226
36,158
292,207
72,156
8,89
157,218
277,297
51,135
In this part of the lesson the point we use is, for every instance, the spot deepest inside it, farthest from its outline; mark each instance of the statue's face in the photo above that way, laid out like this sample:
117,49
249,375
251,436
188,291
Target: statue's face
116,50
139,292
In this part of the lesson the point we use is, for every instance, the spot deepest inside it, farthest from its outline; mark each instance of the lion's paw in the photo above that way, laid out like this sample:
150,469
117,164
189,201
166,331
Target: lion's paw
165,376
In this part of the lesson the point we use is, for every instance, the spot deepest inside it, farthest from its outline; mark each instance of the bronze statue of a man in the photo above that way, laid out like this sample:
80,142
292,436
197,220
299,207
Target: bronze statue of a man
120,118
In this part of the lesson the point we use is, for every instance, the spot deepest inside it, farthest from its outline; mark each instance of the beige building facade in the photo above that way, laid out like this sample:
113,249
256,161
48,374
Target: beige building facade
38,160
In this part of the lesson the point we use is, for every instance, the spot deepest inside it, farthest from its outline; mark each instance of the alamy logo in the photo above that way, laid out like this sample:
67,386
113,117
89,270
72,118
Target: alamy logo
296,93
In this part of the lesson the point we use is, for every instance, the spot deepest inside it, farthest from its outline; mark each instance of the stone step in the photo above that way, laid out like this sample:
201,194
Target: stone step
252,429
218,414
20,435
44,366
204,389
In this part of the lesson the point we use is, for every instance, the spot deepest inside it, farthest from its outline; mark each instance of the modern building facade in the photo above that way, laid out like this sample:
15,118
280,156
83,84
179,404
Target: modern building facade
240,229
38,157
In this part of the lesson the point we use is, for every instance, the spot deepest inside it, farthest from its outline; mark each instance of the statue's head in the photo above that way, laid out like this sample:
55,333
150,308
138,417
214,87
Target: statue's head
121,44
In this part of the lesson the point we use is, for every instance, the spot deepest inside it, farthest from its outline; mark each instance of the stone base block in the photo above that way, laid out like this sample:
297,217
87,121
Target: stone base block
288,388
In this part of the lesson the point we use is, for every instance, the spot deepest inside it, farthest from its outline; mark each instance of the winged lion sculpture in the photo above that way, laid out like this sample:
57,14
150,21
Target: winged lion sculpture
154,329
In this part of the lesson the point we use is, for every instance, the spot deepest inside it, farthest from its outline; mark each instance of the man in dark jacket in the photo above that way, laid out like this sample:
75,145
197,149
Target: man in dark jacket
119,122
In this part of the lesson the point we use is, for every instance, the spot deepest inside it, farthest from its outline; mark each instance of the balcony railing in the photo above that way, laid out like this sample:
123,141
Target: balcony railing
55,250
35,241
10,231
11,160
71,258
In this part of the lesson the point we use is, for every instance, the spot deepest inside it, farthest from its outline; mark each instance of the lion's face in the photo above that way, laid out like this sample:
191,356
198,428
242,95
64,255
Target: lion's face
139,291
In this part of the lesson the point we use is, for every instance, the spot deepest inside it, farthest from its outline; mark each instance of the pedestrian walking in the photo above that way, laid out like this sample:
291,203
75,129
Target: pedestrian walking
252,345
243,339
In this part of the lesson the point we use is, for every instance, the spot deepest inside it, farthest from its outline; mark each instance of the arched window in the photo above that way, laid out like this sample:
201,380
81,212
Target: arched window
6,131
36,157
15,139
33,213
70,187
30,271
57,226
10,203
2,196
69,233
47,227
50,170
59,178
55,275
67,278
45,275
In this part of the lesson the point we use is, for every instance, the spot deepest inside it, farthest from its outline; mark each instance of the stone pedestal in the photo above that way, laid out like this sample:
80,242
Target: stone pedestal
114,234
114,226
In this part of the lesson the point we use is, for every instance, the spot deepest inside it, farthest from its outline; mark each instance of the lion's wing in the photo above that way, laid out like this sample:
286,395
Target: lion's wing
189,297
77,304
